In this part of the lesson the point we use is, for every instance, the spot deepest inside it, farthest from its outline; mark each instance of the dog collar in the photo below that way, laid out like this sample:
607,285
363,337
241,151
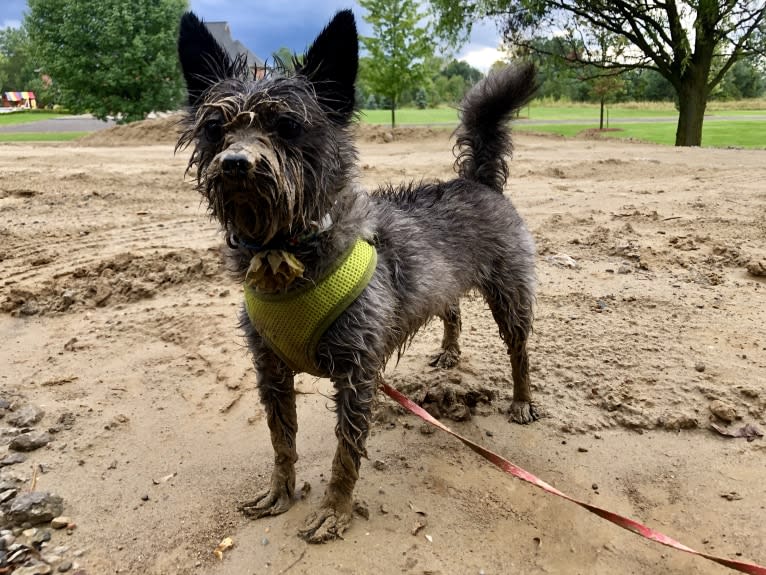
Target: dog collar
287,244
292,323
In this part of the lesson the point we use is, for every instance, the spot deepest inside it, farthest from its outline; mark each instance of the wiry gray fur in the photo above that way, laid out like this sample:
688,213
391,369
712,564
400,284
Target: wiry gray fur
268,183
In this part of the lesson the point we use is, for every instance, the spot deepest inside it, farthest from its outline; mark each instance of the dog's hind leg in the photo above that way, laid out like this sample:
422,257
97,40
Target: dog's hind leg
449,355
511,307
353,399
277,392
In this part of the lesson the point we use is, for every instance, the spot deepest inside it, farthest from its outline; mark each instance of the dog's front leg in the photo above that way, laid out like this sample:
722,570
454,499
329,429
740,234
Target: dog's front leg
353,406
277,391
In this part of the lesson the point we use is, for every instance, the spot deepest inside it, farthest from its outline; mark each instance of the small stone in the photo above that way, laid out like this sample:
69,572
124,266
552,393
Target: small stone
265,541
33,508
699,366
379,464
29,441
8,494
12,459
65,566
594,487
31,532
60,522
624,269
26,416
582,449
42,536
723,411
144,498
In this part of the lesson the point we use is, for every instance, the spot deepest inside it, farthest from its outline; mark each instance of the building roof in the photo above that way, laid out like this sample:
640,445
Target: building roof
222,34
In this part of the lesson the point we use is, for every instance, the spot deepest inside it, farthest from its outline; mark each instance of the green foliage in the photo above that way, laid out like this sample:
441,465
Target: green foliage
110,57
396,50
692,44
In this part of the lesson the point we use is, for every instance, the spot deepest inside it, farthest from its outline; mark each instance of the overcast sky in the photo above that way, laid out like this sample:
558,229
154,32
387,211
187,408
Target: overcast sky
266,25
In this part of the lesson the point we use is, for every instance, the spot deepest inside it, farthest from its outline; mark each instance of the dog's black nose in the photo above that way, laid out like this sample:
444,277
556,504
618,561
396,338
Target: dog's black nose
235,165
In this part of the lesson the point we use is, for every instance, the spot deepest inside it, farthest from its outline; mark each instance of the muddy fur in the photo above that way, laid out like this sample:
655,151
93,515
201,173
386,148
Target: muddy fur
274,156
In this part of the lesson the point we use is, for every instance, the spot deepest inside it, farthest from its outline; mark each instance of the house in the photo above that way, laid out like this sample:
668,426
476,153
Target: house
222,34
19,100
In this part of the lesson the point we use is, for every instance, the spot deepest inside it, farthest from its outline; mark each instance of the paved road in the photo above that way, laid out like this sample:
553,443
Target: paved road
90,124
63,124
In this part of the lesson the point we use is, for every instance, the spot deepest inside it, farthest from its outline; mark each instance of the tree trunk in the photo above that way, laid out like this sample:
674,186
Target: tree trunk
601,118
393,116
692,101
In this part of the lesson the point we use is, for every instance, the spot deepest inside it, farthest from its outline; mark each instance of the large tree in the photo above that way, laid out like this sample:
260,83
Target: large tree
692,43
396,51
110,57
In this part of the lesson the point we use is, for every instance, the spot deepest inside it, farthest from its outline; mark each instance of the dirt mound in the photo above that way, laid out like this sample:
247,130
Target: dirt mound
384,134
144,133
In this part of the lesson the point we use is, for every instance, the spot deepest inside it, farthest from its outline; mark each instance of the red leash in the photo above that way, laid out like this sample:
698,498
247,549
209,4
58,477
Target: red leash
520,473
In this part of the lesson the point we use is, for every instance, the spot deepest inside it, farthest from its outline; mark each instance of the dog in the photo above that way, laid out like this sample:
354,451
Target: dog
276,162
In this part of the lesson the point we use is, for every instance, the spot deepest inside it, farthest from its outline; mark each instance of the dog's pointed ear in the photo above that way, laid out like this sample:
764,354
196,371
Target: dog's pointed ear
331,64
203,61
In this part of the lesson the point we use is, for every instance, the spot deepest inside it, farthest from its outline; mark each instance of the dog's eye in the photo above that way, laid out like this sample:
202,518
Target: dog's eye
213,131
288,128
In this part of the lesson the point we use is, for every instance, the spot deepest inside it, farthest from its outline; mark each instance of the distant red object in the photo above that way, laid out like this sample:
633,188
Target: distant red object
19,100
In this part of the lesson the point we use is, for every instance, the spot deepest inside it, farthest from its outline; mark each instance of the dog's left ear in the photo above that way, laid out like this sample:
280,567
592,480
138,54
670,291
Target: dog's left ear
331,64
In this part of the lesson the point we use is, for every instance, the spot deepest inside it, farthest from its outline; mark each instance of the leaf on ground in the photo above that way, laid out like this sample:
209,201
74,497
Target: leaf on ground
747,431
223,546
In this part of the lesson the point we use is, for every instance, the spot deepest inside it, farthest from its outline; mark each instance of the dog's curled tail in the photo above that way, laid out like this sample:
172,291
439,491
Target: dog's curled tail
483,137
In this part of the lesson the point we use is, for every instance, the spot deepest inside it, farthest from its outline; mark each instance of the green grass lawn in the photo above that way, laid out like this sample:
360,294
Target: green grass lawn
11,118
741,134
40,136
544,113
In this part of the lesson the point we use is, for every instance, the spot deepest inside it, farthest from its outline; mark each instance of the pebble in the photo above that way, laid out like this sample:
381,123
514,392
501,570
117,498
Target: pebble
33,508
29,441
265,541
65,566
27,416
12,459
144,498
8,494
624,269
699,366
723,411
582,449
60,522
379,464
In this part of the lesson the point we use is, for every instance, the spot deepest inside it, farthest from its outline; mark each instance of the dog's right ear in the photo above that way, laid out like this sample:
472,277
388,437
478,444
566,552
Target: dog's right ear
203,61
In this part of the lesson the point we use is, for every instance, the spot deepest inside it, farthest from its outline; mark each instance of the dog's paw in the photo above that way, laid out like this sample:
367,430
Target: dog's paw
445,359
523,412
326,524
271,502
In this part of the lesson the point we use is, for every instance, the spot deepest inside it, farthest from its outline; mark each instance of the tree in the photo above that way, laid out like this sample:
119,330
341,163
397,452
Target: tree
681,39
397,49
16,65
110,57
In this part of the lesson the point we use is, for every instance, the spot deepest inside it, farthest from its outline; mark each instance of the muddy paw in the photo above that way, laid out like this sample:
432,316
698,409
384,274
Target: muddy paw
271,502
445,359
324,525
523,412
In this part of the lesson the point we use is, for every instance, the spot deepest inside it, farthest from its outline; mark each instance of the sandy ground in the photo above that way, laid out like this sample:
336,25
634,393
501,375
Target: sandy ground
116,309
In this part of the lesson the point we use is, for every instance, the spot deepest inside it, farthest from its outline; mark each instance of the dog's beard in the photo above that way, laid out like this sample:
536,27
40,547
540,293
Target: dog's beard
257,208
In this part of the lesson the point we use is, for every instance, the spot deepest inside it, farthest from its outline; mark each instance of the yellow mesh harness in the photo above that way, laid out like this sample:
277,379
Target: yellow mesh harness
292,323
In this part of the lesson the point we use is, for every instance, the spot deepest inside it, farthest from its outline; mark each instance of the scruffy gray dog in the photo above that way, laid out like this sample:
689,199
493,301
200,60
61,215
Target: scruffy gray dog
276,161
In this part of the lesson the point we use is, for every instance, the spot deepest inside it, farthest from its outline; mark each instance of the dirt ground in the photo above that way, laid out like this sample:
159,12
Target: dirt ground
118,319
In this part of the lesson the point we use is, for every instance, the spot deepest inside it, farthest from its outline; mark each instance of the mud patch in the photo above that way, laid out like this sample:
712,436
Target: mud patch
448,394
123,278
